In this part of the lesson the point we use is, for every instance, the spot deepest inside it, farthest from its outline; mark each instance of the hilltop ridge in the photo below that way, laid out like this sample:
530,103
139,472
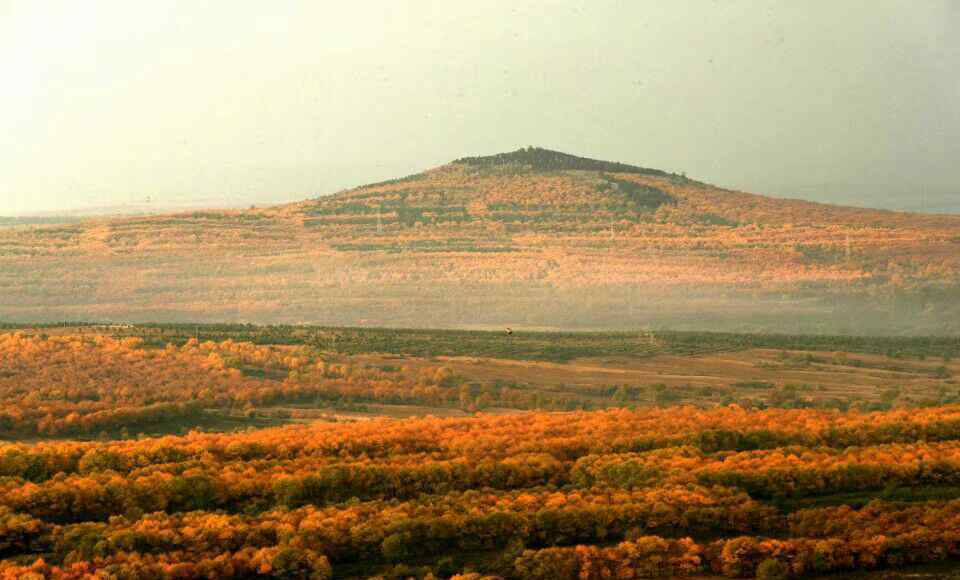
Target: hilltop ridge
540,159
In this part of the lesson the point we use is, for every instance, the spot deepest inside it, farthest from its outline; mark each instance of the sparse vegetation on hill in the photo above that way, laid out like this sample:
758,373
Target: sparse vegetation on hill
565,242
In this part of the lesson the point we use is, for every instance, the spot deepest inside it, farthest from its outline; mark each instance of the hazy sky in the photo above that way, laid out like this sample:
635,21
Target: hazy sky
110,102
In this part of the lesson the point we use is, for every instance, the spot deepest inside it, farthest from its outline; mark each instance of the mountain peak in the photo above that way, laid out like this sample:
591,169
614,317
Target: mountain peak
540,159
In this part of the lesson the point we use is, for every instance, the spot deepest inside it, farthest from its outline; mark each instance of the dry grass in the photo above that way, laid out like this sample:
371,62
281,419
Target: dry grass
843,375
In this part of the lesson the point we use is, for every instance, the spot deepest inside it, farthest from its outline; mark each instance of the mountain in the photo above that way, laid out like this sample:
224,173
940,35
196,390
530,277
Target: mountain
532,238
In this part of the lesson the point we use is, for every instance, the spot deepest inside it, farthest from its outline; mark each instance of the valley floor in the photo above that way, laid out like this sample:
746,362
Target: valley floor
298,452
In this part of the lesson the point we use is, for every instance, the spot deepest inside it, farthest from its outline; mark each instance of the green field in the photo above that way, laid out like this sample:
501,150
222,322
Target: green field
521,345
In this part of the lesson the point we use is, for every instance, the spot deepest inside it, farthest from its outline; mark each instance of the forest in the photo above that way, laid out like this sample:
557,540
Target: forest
620,493
238,451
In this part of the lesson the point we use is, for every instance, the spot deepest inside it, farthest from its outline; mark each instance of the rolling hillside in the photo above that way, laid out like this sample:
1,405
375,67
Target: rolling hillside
529,239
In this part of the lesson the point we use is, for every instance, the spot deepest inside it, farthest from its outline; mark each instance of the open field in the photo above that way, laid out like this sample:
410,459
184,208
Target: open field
556,346
87,381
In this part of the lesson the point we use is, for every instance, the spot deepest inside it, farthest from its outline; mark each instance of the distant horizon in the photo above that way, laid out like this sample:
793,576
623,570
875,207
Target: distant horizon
144,207
107,102
939,201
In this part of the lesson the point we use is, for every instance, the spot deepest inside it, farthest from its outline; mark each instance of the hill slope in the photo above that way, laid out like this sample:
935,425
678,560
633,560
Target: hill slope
530,238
